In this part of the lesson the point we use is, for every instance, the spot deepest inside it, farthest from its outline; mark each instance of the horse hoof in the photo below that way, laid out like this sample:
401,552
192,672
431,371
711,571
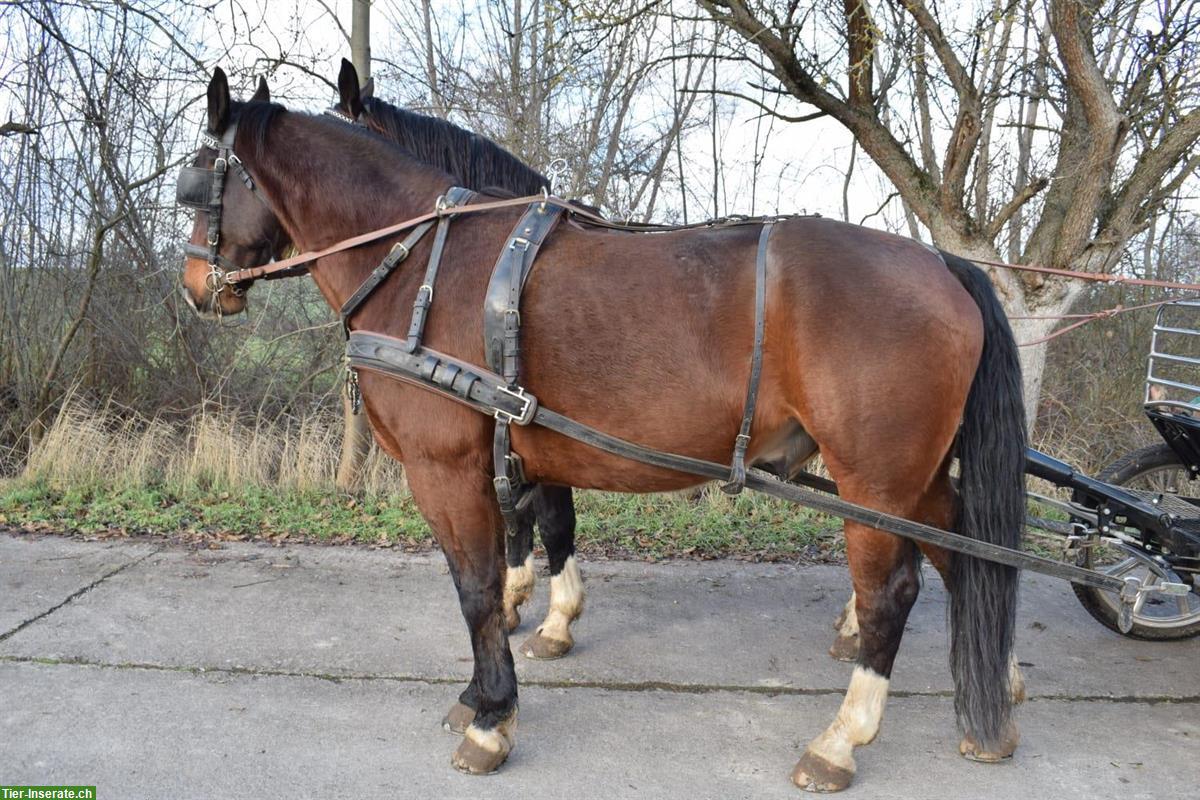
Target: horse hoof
841,620
970,749
481,752
816,774
458,719
512,619
542,648
845,648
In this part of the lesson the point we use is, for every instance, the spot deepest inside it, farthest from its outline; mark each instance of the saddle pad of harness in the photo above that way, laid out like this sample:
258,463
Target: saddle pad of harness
502,303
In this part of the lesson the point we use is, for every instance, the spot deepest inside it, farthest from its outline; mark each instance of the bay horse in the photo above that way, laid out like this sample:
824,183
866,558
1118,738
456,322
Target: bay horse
648,337
478,163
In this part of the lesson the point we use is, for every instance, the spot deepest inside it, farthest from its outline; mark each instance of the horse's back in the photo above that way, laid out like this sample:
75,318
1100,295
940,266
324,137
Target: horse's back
622,327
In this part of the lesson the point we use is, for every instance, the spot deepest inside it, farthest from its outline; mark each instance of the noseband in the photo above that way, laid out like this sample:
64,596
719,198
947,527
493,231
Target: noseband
203,188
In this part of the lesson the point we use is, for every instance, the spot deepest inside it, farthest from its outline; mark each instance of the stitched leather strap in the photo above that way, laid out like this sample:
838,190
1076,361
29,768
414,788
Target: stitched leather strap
416,328
737,472
502,302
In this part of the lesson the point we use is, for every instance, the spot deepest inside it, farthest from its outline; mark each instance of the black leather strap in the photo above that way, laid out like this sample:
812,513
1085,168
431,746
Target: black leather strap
456,196
395,256
488,393
502,303
737,473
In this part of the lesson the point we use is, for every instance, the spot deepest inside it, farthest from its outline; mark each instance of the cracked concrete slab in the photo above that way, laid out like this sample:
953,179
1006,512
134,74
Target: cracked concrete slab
236,641
38,573
152,734
352,612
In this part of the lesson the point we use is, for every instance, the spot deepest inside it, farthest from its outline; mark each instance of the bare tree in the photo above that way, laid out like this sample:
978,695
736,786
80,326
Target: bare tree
1056,152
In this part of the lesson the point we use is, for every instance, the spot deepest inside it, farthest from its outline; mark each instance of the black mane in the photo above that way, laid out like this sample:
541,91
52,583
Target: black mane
474,161
254,120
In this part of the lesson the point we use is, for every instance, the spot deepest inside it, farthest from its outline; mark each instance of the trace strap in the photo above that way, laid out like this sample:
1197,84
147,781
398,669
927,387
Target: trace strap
487,392
737,473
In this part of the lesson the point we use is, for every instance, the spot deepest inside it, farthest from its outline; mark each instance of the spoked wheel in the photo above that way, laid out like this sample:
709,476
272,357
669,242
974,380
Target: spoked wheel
1155,468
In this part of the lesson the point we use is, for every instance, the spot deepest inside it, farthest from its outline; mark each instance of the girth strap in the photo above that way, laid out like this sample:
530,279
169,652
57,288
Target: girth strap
502,304
502,342
737,473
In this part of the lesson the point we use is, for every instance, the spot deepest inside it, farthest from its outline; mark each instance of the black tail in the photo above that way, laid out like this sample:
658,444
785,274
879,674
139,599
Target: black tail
991,508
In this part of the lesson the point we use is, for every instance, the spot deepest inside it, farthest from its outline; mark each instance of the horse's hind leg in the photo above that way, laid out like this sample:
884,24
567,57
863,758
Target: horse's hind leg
458,502
886,574
555,512
520,577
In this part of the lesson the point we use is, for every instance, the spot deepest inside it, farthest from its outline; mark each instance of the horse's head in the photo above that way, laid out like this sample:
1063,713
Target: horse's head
351,105
235,227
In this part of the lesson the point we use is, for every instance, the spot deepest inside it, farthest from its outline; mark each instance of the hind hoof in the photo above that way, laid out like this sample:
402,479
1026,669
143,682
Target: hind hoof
1004,749
512,619
542,648
458,719
814,773
845,648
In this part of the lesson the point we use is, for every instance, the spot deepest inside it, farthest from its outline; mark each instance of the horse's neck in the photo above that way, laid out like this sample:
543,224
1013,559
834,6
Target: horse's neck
329,188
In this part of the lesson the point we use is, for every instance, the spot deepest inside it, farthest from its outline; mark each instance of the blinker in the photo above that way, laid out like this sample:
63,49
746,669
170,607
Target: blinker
193,188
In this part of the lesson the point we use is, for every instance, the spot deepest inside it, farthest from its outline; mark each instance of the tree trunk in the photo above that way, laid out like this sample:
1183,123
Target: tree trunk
356,434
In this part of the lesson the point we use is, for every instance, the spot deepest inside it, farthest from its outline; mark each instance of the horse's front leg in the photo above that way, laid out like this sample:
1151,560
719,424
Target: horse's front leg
458,502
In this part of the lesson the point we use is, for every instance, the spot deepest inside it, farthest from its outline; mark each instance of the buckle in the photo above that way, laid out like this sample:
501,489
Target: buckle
521,241
528,409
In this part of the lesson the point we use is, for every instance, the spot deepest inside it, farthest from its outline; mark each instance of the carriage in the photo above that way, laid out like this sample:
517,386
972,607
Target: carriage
1140,517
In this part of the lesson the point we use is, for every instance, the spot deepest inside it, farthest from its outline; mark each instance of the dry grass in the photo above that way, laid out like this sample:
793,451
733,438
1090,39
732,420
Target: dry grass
112,447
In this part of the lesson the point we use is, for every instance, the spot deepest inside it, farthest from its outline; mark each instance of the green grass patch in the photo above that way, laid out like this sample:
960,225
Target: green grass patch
704,525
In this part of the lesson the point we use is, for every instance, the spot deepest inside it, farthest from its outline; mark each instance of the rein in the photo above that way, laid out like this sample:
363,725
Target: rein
297,263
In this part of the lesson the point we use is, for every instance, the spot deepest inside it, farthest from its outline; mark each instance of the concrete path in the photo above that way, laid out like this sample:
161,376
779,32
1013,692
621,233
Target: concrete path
303,672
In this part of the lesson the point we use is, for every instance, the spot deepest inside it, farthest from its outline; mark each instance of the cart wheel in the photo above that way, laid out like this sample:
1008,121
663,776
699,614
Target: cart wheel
1156,468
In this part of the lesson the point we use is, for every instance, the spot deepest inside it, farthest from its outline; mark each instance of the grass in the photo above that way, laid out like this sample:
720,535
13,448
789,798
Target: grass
106,473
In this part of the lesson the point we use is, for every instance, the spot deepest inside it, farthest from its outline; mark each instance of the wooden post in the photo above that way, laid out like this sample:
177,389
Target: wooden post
356,435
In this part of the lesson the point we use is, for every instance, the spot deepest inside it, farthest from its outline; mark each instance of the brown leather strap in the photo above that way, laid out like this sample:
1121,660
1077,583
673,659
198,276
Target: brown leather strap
737,471
273,269
266,271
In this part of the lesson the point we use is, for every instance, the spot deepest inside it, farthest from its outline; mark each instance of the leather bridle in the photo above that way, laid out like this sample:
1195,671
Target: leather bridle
203,189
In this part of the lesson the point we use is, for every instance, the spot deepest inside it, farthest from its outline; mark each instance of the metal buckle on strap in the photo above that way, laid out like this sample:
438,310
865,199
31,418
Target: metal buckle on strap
528,409
519,240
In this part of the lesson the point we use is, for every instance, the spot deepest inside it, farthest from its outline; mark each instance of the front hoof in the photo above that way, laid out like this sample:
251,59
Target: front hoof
816,774
542,648
481,752
1004,749
458,719
845,648
841,618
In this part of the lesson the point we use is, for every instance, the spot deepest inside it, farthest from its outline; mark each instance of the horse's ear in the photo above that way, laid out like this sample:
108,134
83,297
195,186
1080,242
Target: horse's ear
218,102
263,93
369,89
348,91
